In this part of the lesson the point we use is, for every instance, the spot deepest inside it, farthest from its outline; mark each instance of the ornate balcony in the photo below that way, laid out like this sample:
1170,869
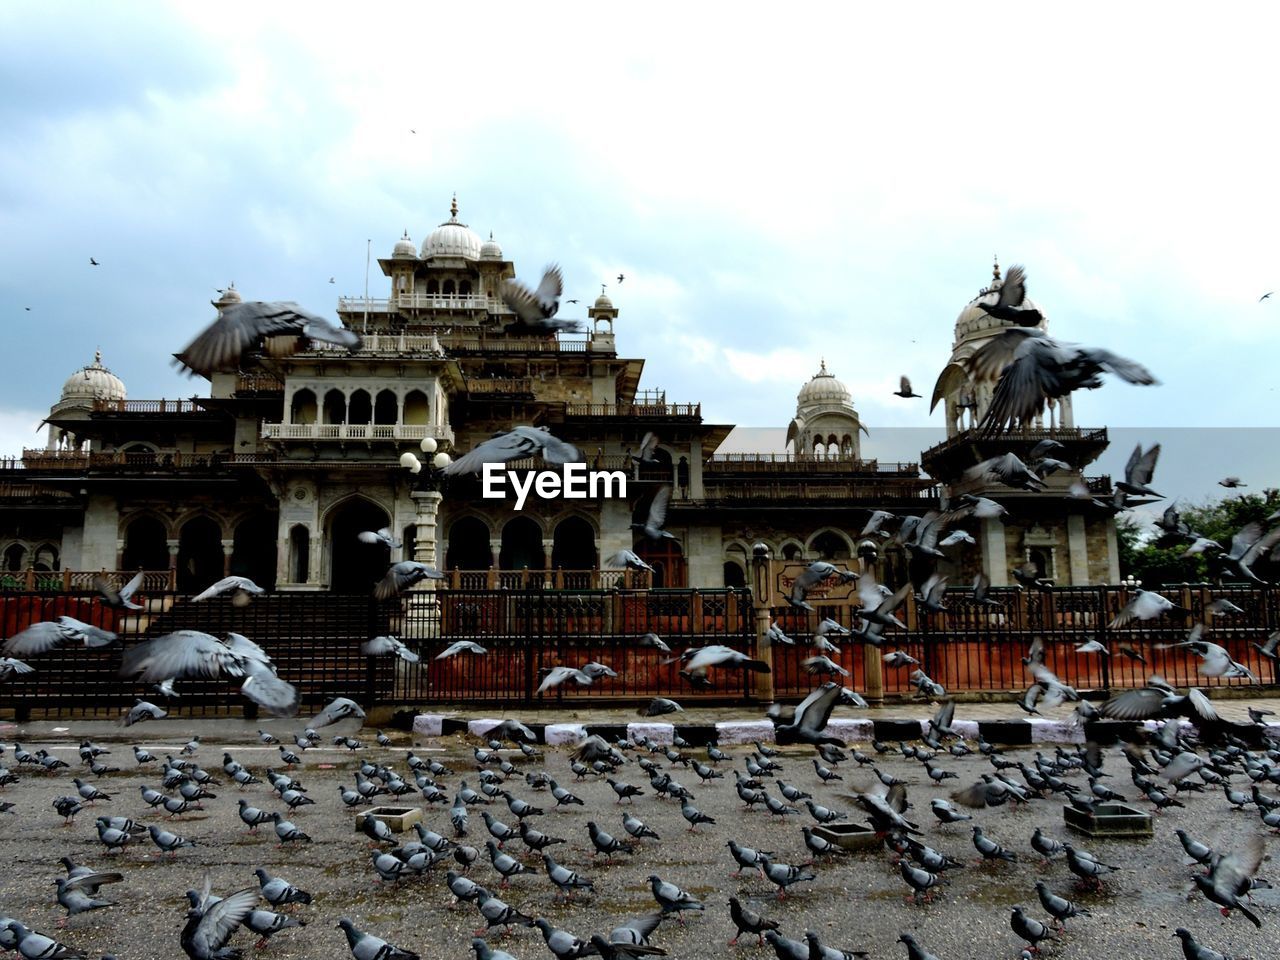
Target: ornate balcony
388,432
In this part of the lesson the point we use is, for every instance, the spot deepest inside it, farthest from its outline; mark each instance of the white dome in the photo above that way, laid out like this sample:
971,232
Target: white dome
229,296
404,248
93,382
489,250
452,239
603,303
823,388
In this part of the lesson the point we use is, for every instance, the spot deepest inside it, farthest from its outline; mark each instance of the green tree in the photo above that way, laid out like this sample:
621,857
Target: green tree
1158,560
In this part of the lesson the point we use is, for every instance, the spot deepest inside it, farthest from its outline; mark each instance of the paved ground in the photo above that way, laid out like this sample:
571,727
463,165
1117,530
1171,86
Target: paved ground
855,902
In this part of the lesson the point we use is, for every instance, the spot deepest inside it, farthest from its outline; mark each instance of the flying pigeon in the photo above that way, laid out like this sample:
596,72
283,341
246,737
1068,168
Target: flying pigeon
240,327
240,588
403,575
537,308
382,646
518,443
122,598
382,536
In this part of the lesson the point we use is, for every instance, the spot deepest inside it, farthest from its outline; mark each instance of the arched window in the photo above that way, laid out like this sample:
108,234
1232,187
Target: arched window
299,554
447,289
385,408
144,545
360,407
416,408
335,407
574,545
734,575
521,546
468,545
46,557
14,554
464,288
792,551
829,545
433,287
302,408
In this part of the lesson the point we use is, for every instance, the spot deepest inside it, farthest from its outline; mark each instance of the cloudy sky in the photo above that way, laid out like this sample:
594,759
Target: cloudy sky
776,187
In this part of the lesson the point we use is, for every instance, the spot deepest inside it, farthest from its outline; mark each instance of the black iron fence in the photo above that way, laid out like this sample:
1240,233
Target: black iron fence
314,640
975,647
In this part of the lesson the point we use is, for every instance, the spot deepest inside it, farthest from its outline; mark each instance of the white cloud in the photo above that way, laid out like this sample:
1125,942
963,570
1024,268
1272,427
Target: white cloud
772,197
20,430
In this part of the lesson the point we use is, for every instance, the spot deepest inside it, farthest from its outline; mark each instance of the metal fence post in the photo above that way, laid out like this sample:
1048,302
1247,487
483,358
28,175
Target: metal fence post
760,604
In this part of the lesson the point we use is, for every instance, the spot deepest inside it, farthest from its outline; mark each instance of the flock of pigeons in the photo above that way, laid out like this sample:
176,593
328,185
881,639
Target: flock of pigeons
500,832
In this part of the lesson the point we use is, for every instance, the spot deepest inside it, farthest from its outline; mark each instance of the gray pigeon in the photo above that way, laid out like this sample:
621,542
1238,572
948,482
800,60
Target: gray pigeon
671,899
340,708
518,443
242,327
365,946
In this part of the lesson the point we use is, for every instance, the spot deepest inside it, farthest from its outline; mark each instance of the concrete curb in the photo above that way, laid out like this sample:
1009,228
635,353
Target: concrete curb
732,732
562,733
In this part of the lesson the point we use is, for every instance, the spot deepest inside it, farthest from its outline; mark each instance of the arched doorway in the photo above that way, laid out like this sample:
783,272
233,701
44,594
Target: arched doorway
354,567
254,553
574,545
521,546
667,560
200,556
468,547
144,545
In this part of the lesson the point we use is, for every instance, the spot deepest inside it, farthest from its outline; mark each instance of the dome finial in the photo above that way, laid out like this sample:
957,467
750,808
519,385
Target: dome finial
995,267
97,357
453,207
822,367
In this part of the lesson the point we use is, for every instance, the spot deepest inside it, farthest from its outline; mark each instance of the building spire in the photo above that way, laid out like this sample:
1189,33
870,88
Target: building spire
822,367
453,207
995,268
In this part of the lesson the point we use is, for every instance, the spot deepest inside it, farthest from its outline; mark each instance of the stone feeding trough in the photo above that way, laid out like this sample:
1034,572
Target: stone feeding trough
1116,821
399,819
848,836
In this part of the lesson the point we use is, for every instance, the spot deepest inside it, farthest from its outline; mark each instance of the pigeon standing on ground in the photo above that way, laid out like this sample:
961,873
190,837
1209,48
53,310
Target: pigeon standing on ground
365,946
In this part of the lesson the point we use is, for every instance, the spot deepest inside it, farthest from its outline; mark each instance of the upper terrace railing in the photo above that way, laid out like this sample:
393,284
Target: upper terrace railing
789,463
1021,434
432,344
102,405
74,460
356,431
422,301
686,410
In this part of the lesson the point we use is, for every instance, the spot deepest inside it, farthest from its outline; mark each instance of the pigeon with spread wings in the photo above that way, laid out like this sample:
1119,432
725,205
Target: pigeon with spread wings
241,327
122,598
1011,302
537,308
813,575
517,443
650,521
1030,368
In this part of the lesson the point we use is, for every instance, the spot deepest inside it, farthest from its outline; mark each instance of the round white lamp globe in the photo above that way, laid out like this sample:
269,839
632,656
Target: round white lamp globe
440,461
428,445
